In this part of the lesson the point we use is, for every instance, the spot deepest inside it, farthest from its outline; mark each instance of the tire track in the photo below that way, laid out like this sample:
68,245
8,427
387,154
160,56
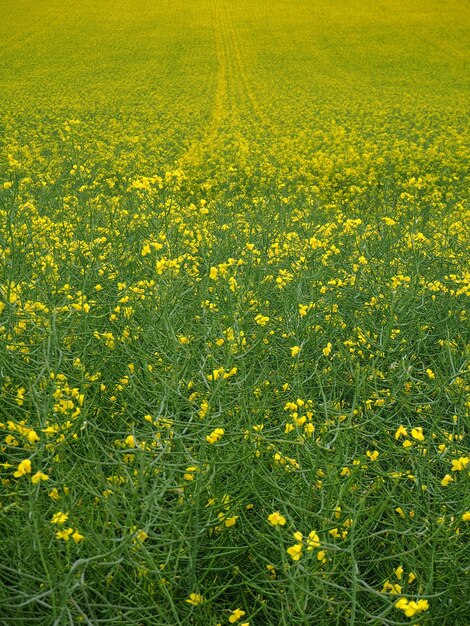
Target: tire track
198,149
237,116
245,91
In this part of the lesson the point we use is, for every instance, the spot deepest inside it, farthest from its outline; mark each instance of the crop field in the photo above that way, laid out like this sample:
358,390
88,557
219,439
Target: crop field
234,312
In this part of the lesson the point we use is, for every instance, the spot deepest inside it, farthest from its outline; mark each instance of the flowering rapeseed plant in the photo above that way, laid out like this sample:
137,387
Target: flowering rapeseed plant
234,312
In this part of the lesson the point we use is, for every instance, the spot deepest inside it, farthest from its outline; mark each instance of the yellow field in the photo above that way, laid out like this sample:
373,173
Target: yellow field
234,335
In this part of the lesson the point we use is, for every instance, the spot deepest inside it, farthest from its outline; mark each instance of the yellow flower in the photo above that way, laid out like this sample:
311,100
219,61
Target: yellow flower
231,521
295,350
327,349
32,436
261,320
373,456
313,541
417,433
410,608
64,534
213,273
458,465
215,435
236,615
295,551
231,372
446,480
77,537
401,432
54,494
38,476
59,518
189,475
393,589
195,599
23,468
466,516
141,535
130,441
276,519
216,374
386,586
399,572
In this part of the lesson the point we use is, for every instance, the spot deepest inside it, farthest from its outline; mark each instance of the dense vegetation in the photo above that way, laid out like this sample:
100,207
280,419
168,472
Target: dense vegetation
234,313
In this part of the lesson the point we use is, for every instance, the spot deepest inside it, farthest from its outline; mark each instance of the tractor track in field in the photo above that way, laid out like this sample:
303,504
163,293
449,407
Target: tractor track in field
253,107
194,155
235,107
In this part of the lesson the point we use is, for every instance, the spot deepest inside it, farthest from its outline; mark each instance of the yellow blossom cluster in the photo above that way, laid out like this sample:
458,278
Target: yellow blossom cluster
234,308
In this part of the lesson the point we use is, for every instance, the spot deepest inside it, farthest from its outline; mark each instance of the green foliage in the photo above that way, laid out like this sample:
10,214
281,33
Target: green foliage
234,313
